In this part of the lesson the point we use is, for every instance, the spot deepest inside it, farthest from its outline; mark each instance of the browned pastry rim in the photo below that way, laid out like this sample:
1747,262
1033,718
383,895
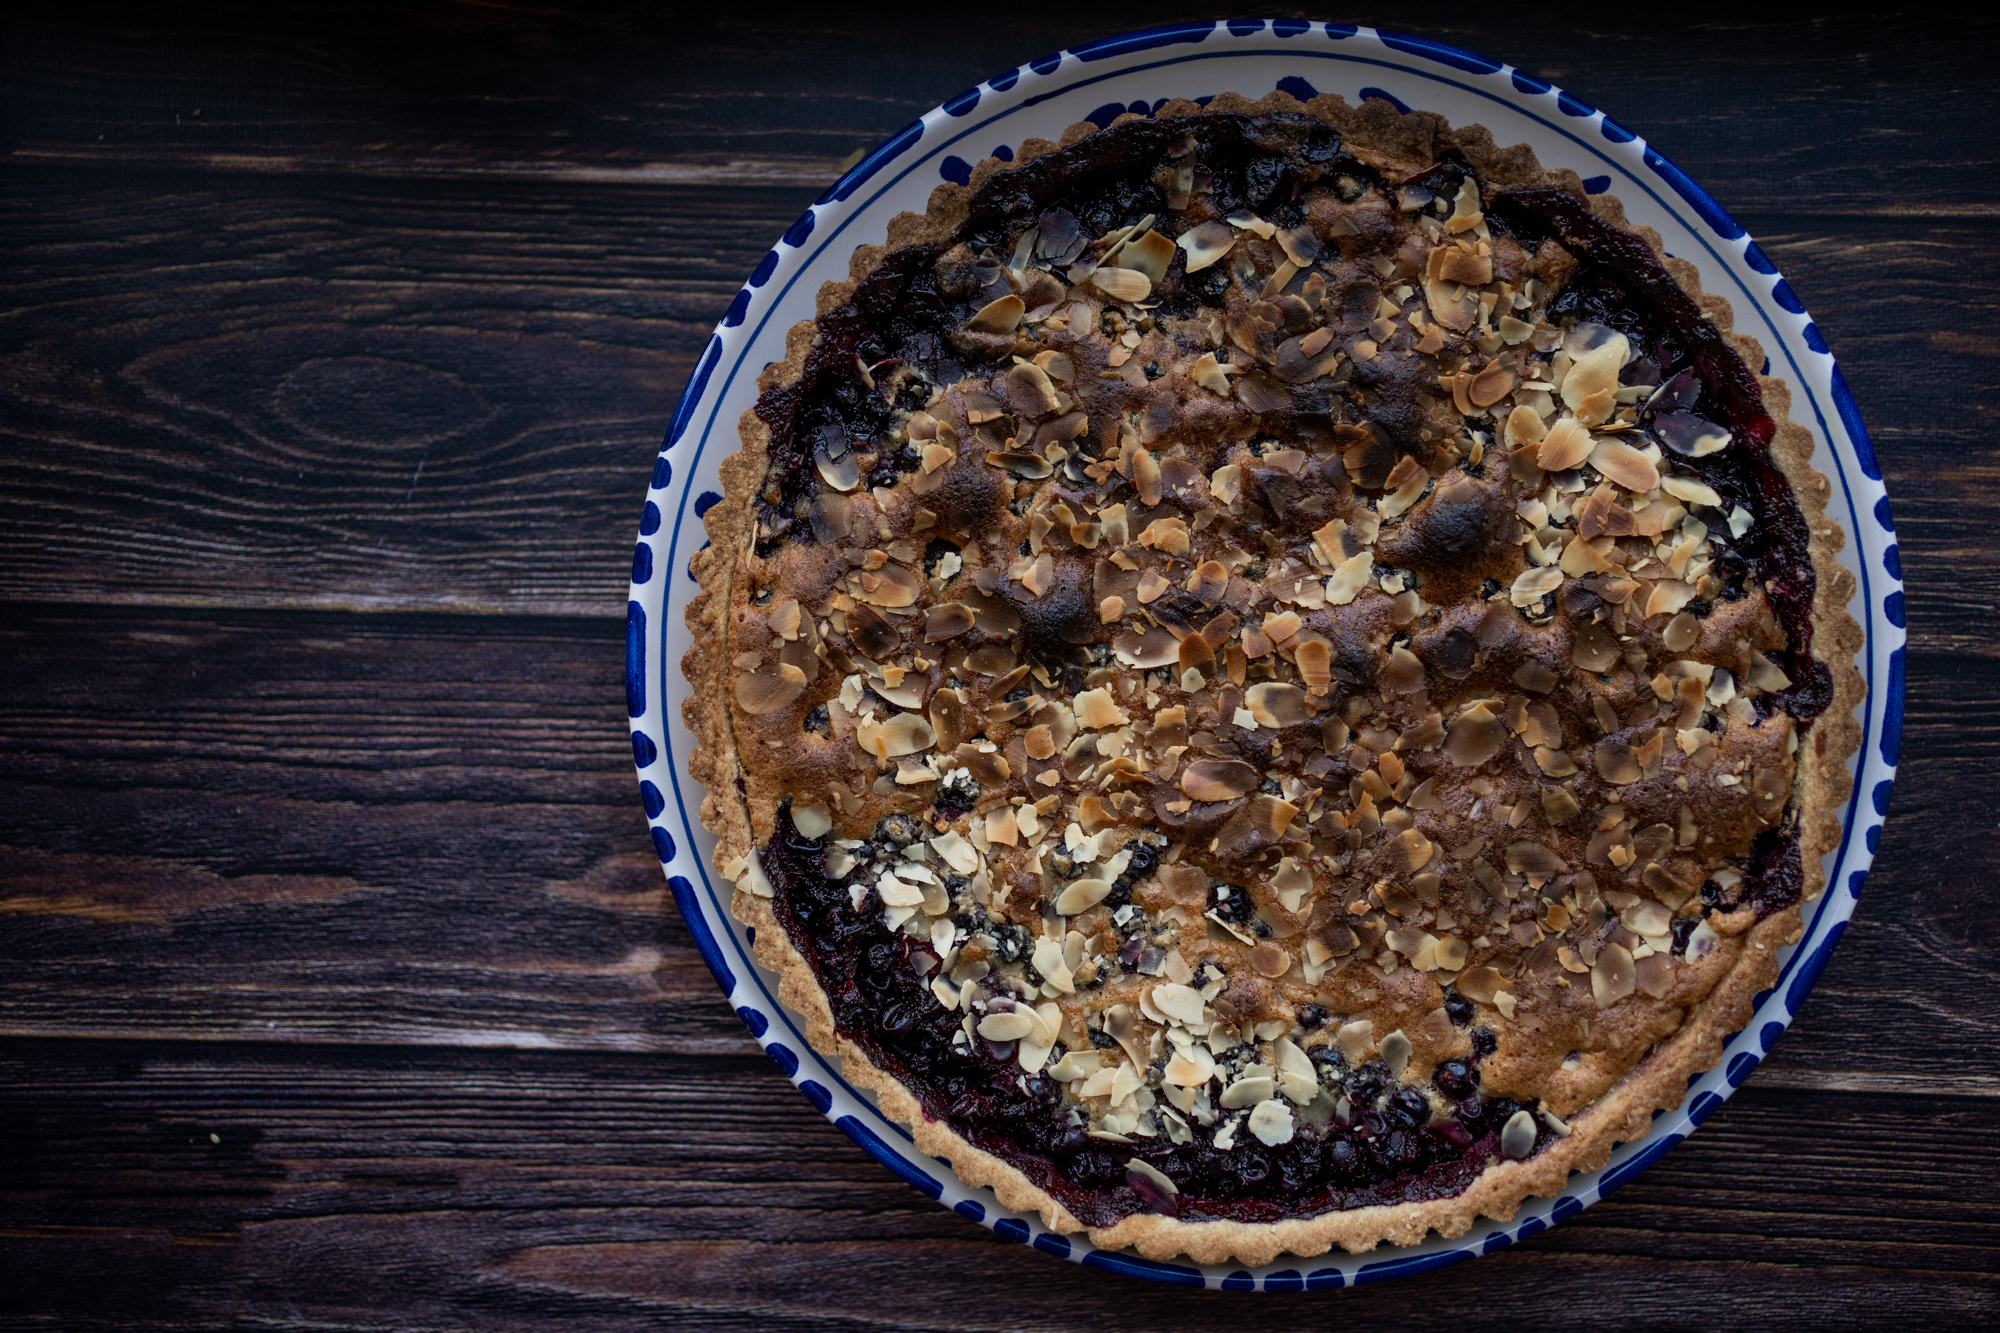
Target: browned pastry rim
1659,1080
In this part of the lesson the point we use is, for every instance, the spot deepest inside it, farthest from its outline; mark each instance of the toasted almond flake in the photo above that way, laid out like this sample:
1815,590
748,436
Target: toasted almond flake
1080,895
1396,1052
843,473
1012,1025
1690,491
1277,705
1766,675
770,688
1525,427
1146,481
1534,584
1566,446
1122,284
1039,742
1001,316
1271,1122
1475,737
1620,463
1182,1004
1190,1067
1110,609
1517,1136
1613,977
1350,576
1096,709
1214,377
1681,633
812,821
1206,244
1002,828
1218,779
946,621
1152,587
1247,1091
1615,763
1490,385
1595,372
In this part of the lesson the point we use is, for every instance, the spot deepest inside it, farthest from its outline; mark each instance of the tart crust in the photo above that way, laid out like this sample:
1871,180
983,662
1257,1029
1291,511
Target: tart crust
1658,1081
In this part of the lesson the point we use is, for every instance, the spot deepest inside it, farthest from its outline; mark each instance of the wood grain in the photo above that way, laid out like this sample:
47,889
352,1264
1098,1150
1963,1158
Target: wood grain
338,984
522,1190
422,828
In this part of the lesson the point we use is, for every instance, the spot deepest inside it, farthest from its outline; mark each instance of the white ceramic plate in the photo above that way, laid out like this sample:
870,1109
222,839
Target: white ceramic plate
1138,72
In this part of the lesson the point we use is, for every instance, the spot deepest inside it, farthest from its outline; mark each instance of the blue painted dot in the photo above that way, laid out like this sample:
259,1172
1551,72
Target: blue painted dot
1048,1242
1892,609
654,801
1704,1106
1239,1281
821,1099
1881,797
1814,339
956,170
765,268
663,844
1244,27
1142,108
1325,1279
1766,368
1755,257
1340,32
786,1058
1882,514
1615,132
1381,95
1566,1207
1783,295
796,234
1105,114
704,938
644,753
706,501
635,659
642,563
1289,27
1769,1036
1003,152
649,518
754,1020
1005,81
1857,432
1046,64
1532,1227
737,309
663,473
1011,1228
696,386
1739,1069
968,1209
1298,88
1285,1279
1855,881
963,103
1596,184
1571,106
1529,84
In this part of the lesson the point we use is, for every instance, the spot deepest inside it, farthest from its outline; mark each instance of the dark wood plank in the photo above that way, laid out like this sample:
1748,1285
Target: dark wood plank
1758,107
489,1190
424,828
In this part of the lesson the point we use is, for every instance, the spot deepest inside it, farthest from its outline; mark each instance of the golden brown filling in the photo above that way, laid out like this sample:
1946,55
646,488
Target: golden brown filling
1287,633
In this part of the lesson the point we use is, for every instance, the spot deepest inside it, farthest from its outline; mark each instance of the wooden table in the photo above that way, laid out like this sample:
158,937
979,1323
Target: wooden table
338,985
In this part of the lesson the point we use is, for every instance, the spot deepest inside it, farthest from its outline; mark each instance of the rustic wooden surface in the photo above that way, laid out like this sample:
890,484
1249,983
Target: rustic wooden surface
338,986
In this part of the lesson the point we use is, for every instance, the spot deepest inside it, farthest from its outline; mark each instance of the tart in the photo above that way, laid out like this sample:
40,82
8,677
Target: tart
1270,676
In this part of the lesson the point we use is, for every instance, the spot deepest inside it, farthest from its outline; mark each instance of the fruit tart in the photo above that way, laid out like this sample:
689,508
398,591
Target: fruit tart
1271,676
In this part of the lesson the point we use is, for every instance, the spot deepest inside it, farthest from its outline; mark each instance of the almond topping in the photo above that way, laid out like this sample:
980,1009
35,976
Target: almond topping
1218,779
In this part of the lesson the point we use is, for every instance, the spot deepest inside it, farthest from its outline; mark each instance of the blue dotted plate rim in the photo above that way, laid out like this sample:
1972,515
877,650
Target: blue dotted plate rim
1729,260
